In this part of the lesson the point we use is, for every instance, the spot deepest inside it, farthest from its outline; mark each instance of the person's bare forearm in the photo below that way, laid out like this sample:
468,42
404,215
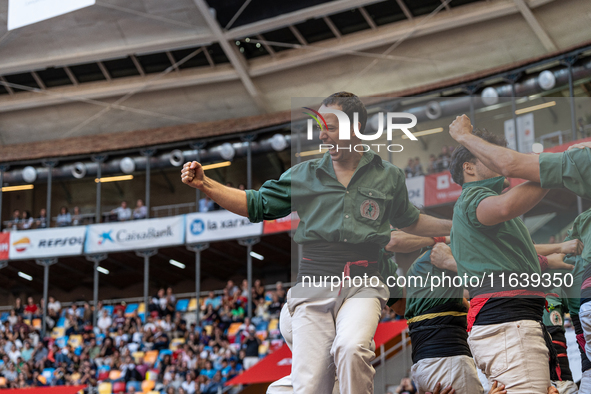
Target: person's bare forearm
501,160
514,203
429,226
234,200
401,242
547,249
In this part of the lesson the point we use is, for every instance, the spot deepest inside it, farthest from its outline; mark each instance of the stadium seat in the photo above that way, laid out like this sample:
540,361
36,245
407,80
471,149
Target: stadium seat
118,387
37,324
262,326
148,385
234,328
262,335
175,343
115,374
134,384
61,322
182,305
151,375
109,309
208,330
151,357
105,388
75,341
102,376
137,356
263,349
61,341
48,374
273,324
27,321
4,316
3,382
142,317
163,353
130,308
141,308
192,305
58,332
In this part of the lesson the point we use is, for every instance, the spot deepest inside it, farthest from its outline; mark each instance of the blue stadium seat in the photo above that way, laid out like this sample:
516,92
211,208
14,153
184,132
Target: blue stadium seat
142,317
61,322
182,305
62,341
130,308
48,375
262,326
4,316
136,385
109,309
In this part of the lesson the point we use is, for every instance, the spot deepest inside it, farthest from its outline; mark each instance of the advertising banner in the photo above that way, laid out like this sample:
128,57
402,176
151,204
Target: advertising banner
4,245
219,225
441,189
416,190
135,235
54,242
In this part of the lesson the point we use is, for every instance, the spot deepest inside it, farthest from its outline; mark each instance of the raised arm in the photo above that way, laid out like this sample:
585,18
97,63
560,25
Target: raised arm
517,201
499,159
429,226
234,200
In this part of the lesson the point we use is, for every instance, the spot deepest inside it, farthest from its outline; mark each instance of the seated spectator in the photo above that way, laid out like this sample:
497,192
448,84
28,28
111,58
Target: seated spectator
31,309
275,305
15,221
280,291
158,303
206,204
212,300
241,186
432,167
140,211
18,307
54,307
76,217
104,322
26,221
418,170
444,158
64,219
123,212
409,170
41,221
233,290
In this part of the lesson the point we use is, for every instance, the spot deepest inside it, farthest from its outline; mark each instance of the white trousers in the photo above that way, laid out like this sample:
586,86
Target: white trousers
566,387
513,354
456,371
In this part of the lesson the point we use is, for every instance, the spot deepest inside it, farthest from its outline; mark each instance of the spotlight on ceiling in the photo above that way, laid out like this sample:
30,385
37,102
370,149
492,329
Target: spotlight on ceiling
176,158
127,165
227,151
278,142
433,110
490,96
79,170
29,174
547,80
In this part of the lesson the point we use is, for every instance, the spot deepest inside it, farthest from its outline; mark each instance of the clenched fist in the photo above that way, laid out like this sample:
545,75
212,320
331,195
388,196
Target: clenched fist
574,246
442,258
192,174
460,127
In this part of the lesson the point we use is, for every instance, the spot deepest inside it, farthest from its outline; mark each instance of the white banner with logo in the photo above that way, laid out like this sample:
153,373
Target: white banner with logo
219,225
25,12
54,242
416,190
525,132
135,235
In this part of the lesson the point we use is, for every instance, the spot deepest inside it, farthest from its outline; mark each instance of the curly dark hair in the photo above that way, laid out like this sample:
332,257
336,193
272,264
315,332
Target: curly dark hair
350,104
462,155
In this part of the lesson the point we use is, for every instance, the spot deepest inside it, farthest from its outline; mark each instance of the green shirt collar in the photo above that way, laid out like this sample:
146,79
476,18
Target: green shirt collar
496,184
368,157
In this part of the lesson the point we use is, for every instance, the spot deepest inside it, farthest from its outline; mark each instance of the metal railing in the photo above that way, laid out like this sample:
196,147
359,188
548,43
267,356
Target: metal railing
173,209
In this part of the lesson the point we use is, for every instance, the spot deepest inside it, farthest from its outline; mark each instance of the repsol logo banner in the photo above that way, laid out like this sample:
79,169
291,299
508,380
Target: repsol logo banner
134,235
219,225
53,242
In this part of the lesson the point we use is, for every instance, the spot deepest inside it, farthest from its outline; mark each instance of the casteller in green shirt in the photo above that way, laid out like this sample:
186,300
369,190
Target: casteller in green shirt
330,212
479,250
570,169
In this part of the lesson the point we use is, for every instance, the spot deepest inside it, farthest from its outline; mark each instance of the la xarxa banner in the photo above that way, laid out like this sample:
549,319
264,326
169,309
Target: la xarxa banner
135,235
219,225
54,242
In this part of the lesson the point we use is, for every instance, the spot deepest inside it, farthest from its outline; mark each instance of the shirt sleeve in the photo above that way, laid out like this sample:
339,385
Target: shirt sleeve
473,198
271,201
404,213
570,169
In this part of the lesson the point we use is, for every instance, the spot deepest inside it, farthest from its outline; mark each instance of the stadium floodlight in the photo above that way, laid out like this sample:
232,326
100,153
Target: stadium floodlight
127,165
257,256
29,174
490,96
278,142
176,158
102,270
177,264
227,151
433,110
547,80
79,170
25,276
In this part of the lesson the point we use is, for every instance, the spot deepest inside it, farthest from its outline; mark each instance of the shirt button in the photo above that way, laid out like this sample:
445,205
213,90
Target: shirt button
347,191
346,216
370,193
345,239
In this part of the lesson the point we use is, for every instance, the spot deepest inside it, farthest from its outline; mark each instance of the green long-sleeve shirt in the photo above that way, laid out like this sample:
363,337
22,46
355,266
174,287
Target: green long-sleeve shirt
330,212
570,169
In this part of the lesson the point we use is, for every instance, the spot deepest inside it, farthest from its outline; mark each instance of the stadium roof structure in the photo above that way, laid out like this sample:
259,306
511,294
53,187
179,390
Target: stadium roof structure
124,65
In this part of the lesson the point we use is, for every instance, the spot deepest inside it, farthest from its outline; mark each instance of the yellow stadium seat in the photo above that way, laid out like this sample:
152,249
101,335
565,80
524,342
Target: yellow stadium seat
151,356
114,374
141,308
27,321
148,385
137,356
273,324
75,341
105,388
263,348
58,332
192,305
208,330
175,343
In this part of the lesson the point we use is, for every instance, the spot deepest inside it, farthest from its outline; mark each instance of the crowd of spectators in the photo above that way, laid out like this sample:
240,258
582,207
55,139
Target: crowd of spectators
436,163
164,351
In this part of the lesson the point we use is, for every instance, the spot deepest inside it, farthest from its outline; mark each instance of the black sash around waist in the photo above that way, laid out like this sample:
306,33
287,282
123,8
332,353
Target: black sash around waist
585,363
329,259
559,343
505,310
440,336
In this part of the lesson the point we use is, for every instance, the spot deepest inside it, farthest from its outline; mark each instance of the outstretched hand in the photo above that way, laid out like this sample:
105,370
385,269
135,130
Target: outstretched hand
192,174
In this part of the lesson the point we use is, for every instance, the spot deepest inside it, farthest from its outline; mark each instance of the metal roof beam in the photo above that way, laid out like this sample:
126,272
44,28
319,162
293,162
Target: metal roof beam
536,26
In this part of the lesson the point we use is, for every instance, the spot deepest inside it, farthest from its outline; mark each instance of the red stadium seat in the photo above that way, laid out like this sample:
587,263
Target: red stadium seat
119,387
